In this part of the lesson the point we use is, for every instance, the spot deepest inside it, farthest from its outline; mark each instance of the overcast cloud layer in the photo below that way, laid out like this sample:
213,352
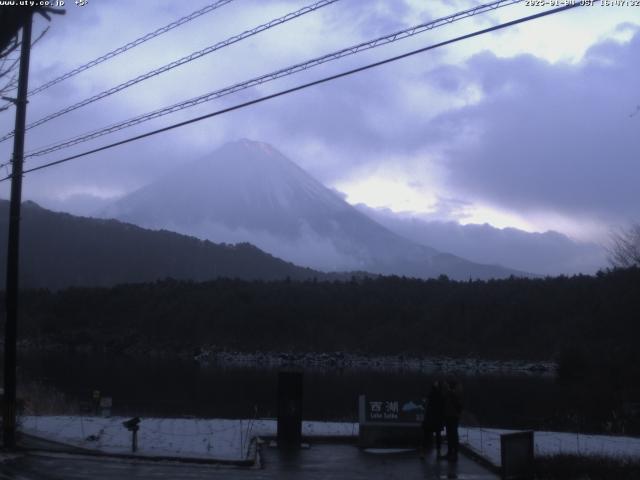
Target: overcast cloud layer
550,138
535,127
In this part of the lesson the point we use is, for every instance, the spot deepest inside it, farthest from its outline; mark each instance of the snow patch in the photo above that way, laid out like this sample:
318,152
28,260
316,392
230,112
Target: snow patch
213,439
486,443
229,439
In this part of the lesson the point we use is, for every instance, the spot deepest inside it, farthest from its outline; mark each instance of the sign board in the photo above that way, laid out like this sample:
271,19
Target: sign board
106,402
390,422
403,411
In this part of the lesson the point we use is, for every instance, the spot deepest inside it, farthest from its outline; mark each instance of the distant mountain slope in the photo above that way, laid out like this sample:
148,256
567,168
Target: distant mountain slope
248,191
60,250
549,253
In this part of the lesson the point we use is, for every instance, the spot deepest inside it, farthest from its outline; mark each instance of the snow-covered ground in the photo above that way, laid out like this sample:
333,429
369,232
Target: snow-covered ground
172,437
225,439
486,442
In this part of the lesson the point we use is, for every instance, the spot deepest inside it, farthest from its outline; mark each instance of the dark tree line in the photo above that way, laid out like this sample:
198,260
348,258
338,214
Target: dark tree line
581,319
589,324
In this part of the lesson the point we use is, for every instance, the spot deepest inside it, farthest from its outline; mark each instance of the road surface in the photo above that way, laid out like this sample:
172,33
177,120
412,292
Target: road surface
320,462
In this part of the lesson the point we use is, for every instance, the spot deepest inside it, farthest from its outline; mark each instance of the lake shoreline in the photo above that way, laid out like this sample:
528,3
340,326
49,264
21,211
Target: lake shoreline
213,355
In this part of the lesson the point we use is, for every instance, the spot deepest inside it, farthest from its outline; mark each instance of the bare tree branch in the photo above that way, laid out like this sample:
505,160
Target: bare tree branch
10,68
11,48
624,250
39,37
9,73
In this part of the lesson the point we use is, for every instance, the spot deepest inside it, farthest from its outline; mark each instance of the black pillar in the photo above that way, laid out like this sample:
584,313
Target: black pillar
290,409
11,298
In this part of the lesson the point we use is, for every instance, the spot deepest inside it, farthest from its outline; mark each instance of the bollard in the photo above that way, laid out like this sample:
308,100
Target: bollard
290,409
517,455
133,425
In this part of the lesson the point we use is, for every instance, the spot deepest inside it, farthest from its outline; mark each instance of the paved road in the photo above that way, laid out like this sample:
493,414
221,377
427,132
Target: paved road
320,462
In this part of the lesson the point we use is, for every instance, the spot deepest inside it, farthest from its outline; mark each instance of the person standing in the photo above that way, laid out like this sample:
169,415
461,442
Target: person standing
433,422
452,394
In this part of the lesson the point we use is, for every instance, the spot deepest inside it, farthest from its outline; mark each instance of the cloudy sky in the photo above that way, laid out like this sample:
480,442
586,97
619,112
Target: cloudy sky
534,127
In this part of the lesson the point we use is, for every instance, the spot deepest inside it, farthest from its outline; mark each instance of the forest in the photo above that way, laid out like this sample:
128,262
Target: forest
587,324
580,318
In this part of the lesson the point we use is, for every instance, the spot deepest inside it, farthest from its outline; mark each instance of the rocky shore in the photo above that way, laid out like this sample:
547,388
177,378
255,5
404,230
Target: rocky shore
221,356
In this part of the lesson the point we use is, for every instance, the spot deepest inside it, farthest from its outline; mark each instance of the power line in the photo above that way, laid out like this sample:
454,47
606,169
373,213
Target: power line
303,86
181,61
390,38
130,45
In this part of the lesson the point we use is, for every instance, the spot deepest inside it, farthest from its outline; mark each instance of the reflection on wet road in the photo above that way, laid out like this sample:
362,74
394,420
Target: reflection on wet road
320,462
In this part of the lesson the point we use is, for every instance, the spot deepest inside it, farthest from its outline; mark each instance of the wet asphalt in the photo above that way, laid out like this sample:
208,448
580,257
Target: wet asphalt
319,462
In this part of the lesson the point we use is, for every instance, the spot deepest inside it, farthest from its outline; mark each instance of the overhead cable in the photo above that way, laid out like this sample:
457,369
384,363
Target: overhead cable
386,39
301,87
130,45
189,58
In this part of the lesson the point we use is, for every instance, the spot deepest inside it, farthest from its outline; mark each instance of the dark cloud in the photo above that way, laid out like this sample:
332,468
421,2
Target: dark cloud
551,137
543,137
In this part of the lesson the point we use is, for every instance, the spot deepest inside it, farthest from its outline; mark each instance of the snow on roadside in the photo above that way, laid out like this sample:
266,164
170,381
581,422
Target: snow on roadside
220,439
486,443
225,439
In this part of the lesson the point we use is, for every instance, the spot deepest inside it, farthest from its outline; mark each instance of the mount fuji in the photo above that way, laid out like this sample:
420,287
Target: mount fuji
247,191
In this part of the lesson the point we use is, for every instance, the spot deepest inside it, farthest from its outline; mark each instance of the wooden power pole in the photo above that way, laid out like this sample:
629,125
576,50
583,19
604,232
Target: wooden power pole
11,299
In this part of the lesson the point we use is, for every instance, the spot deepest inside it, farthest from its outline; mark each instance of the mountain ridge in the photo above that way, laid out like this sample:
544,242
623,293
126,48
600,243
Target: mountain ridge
544,253
248,191
60,250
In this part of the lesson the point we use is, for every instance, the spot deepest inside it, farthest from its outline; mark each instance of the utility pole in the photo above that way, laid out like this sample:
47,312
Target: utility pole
11,299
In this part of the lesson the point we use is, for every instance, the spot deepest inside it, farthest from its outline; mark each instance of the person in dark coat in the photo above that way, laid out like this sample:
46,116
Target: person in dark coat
433,422
452,394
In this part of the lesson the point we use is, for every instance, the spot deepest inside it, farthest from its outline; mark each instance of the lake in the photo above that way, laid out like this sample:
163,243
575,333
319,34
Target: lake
152,387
